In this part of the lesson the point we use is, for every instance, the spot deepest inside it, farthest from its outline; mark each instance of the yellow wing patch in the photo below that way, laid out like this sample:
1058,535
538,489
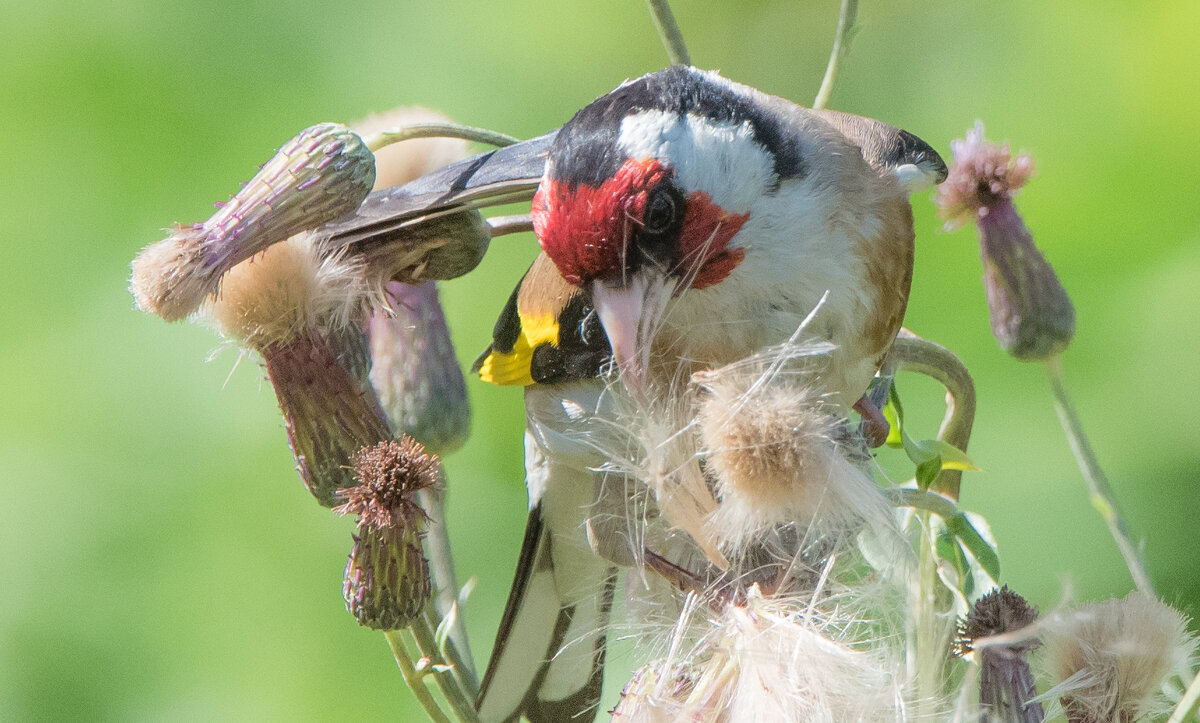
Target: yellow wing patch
513,368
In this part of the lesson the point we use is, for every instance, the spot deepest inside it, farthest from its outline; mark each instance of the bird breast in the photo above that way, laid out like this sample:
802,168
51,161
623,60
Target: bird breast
846,246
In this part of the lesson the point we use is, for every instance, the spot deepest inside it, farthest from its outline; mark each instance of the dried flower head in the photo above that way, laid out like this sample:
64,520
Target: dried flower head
773,660
285,291
1031,315
390,474
1006,685
1111,658
997,613
294,308
387,576
322,174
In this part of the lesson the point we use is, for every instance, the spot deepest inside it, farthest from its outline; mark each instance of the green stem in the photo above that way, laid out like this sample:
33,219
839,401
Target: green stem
915,354
922,500
441,567
846,17
1098,487
413,678
928,658
1187,703
462,667
451,685
438,130
668,30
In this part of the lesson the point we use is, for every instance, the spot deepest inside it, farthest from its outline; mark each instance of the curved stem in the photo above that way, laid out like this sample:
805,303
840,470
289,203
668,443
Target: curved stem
923,500
413,678
846,17
912,353
438,130
1098,487
668,30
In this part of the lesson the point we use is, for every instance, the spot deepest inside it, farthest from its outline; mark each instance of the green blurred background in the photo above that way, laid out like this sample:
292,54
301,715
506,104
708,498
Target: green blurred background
159,557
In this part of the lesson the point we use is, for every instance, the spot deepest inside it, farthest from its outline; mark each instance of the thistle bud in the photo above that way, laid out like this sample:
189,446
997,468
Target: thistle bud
414,369
290,306
318,176
1031,315
1006,687
387,577
1112,657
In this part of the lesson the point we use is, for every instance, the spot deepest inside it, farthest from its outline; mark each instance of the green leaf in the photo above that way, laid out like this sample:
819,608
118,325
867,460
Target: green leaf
931,456
894,414
980,548
955,572
927,472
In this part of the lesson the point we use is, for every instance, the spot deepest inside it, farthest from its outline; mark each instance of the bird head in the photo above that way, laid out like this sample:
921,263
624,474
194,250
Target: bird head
645,192
740,209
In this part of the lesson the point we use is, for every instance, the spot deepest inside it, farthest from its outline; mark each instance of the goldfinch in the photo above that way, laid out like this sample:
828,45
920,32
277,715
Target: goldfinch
686,221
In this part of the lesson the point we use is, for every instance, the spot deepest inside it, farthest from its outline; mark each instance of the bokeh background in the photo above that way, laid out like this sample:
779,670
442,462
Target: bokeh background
159,558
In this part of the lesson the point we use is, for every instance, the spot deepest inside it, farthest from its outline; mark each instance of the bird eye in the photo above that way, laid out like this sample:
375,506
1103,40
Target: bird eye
660,211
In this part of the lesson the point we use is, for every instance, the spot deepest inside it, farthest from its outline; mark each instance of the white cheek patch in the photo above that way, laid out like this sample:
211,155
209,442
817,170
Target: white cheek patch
721,159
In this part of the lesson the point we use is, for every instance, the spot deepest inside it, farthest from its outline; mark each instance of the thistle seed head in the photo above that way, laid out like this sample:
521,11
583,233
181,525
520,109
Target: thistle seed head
322,174
1110,658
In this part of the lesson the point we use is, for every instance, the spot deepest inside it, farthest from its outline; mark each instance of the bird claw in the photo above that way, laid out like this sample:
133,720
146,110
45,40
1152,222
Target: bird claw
874,427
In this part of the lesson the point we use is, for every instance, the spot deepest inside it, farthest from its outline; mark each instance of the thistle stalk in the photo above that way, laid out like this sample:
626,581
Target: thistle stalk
668,30
1031,313
846,17
384,138
1188,702
413,678
1099,489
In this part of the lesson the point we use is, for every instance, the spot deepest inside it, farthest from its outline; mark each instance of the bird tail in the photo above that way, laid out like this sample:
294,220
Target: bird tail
548,659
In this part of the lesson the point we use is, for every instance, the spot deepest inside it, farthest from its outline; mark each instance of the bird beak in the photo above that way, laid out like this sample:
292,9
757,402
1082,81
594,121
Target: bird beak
630,312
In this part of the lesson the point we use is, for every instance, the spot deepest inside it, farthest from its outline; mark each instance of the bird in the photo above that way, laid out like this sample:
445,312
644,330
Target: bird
685,221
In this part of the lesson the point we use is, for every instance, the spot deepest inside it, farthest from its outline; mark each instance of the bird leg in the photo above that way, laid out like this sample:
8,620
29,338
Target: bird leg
875,427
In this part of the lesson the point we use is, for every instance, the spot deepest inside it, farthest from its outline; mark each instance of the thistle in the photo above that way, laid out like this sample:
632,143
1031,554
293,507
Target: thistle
322,174
294,309
652,697
387,577
1031,315
772,447
1111,658
414,370
1006,687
